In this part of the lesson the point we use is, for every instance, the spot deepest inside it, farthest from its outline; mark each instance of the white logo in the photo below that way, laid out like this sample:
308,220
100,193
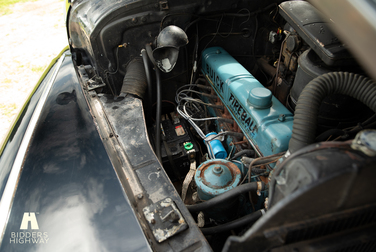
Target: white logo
29,217
25,237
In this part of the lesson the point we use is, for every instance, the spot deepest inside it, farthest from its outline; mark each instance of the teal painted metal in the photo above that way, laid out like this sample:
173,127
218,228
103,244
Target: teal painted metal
216,147
216,176
262,118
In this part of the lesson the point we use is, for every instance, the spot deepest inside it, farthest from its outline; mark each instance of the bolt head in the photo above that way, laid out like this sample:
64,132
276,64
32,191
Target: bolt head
217,170
281,118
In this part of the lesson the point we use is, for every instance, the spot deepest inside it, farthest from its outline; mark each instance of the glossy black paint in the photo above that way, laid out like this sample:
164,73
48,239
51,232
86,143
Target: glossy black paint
12,143
69,182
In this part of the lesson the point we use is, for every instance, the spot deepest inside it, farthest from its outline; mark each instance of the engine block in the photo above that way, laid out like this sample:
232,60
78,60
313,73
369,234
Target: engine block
265,122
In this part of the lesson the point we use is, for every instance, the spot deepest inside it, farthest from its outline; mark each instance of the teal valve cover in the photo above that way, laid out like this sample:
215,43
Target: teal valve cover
266,123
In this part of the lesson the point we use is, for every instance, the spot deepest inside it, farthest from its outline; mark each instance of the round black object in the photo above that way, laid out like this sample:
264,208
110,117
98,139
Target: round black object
336,111
169,40
292,43
172,36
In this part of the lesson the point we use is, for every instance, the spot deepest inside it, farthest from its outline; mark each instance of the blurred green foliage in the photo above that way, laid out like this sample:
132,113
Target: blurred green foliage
5,4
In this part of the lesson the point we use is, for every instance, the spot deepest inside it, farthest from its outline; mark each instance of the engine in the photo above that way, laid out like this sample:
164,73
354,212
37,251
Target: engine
265,122
263,117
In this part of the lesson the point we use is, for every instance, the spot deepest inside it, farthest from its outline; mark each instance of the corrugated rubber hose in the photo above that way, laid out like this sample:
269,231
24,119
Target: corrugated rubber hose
307,108
135,78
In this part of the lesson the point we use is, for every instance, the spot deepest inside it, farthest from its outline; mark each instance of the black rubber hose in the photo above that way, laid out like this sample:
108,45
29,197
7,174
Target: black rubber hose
135,79
159,104
261,160
235,134
258,170
158,116
148,76
307,108
225,196
247,152
248,219
149,51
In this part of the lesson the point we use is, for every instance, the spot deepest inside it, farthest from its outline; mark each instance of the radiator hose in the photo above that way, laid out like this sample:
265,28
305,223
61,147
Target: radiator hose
307,108
135,79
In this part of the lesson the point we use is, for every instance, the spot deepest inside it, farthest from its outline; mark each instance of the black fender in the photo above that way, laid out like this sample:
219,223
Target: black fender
59,190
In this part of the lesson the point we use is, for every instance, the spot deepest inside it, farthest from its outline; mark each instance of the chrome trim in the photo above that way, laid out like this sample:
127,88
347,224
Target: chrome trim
15,173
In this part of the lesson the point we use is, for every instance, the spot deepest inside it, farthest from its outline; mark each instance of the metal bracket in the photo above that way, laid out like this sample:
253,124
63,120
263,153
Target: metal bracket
88,77
96,83
164,219
163,5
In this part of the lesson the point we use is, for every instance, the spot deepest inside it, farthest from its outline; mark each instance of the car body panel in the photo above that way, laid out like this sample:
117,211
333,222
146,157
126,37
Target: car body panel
13,140
67,183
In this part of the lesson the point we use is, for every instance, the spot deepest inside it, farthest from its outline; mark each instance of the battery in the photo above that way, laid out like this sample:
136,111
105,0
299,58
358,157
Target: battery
176,141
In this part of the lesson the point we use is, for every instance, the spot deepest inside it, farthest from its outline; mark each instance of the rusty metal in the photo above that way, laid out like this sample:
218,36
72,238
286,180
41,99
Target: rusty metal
164,219
264,179
241,142
231,166
290,59
215,177
163,5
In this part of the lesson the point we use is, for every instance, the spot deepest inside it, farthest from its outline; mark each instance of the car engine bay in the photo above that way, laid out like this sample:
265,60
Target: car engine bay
262,120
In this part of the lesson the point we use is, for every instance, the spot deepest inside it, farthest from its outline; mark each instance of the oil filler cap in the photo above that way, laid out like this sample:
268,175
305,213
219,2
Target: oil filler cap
260,98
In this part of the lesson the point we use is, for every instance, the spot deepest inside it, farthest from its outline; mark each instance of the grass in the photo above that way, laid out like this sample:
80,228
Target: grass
5,4
7,109
38,68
